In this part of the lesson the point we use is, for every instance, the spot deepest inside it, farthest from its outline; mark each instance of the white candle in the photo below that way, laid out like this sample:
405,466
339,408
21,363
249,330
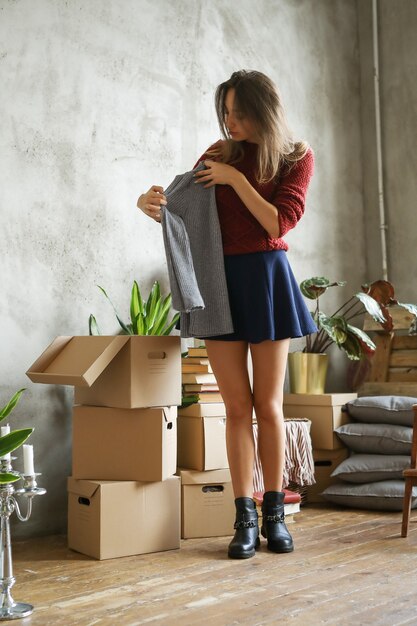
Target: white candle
5,430
28,469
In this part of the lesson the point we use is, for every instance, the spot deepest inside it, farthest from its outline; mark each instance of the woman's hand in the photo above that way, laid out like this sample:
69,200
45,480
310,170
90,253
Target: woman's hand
216,174
151,201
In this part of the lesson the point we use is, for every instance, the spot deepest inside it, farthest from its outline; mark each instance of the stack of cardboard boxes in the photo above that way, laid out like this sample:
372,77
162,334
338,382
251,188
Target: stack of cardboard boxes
326,412
123,495
207,494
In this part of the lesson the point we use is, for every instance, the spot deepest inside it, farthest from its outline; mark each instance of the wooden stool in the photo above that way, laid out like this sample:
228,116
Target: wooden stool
410,476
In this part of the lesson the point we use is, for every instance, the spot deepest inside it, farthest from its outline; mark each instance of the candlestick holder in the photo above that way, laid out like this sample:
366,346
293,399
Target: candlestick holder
9,609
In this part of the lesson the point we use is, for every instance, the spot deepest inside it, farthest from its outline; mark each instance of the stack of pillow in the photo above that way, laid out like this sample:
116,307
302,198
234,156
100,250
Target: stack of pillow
379,440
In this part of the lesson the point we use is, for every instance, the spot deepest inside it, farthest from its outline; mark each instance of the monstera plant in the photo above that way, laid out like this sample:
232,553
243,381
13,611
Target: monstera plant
12,440
147,317
338,328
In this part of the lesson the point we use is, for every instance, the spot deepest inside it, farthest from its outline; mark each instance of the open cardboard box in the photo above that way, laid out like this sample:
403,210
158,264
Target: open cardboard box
124,371
109,519
202,442
124,444
207,503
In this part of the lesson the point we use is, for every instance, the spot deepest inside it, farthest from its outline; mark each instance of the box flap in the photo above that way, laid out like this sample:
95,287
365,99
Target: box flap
323,399
75,360
170,413
85,488
194,477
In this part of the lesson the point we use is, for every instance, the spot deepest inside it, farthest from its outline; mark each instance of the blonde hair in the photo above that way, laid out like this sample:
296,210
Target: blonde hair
257,98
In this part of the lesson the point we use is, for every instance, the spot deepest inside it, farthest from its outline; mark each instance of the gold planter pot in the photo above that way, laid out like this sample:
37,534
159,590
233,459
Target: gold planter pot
307,372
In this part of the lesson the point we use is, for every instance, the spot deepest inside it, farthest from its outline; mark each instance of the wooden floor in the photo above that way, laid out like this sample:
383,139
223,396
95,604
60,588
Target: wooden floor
349,567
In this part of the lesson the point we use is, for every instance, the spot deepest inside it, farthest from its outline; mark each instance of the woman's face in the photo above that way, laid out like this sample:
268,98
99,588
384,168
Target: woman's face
240,127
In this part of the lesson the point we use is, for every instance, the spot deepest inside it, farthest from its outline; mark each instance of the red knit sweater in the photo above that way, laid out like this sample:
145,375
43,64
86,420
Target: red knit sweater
241,231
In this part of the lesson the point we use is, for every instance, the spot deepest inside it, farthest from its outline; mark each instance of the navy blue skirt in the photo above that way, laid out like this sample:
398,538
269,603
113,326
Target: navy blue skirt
265,299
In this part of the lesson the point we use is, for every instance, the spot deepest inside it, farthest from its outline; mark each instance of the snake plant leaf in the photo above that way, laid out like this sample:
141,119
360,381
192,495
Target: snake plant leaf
93,328
154,315
8,408
13,440
153,298
136,306
9,477
171,325
160,322
122,324
162,316
140,323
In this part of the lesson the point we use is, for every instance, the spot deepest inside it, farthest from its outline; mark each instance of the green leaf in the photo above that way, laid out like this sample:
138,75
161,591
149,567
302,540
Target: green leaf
122,324
8,408
160,322
188,400
14,440
363,337
314,287
335,327
171,325
372,306
153,297
136,306
8,477
352,348
162,316
93,326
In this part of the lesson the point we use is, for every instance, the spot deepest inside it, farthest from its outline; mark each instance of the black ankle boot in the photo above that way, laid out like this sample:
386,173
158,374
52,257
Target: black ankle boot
246,539
273,523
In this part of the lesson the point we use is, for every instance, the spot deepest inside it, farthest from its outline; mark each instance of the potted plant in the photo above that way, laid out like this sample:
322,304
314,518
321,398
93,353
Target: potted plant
12,440
147,317
308,368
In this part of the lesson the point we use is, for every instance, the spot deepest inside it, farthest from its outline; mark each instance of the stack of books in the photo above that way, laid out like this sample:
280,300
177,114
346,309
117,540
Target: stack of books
292,501
198,381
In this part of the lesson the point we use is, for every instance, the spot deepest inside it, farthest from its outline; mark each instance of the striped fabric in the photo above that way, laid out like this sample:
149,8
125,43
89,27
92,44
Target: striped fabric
299,463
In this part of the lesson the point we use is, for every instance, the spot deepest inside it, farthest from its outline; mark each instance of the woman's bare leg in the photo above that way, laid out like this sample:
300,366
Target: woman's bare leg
229,362
269,360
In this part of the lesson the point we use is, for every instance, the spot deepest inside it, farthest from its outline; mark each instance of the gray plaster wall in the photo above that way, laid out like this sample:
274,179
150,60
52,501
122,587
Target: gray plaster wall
100,100
397,43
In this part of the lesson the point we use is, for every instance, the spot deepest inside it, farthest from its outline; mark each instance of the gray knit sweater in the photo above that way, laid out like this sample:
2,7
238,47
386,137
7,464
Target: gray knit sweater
194,252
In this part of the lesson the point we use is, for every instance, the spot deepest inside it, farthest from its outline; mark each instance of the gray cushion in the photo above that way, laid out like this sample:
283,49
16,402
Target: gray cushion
385,495
376,438
368,468
383,409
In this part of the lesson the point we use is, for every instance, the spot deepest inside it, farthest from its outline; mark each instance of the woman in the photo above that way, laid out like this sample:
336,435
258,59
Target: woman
261,177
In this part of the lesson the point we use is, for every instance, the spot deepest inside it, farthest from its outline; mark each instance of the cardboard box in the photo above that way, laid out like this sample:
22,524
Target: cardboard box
124,444
204,409
207,504
325,413
202,442
325,461
122,371
109,519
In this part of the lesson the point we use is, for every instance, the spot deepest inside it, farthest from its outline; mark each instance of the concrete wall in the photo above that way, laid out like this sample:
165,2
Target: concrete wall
398,94
102,99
